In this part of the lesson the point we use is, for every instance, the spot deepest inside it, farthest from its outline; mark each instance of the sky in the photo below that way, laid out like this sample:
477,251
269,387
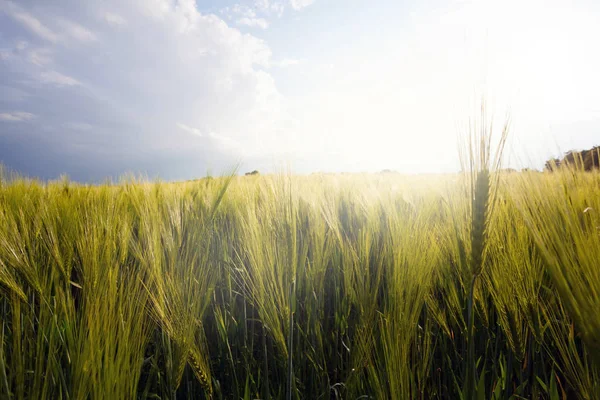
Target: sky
178,89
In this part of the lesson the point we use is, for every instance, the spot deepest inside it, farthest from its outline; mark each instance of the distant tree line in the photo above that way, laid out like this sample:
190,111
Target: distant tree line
584,159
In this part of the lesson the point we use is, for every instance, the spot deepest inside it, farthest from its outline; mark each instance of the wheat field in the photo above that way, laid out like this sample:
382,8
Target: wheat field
374,286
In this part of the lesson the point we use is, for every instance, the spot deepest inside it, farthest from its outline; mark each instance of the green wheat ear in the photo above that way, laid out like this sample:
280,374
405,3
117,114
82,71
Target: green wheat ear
479,221
9,283
477,161
181,363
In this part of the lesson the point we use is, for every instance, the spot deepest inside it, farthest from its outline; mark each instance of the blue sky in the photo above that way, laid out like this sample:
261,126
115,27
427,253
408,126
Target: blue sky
176,88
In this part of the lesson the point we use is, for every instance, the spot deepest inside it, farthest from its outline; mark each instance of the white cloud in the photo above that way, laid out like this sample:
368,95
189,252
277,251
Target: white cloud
31,23
23,51
300,4
21,45
189,129
70,30
244,15
56,78
16,116
253,22
76,31
269,6
286,62
40,56
114,19
154,8
256,14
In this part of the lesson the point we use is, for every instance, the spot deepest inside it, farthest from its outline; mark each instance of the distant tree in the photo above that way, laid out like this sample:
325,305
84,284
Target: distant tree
255,172
572,158
584,159
591,158
552,164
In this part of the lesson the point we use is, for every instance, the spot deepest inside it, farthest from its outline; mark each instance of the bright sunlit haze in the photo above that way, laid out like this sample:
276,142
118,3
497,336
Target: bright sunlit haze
176,88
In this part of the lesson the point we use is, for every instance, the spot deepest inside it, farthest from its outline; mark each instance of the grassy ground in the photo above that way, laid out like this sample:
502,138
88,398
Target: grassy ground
322,287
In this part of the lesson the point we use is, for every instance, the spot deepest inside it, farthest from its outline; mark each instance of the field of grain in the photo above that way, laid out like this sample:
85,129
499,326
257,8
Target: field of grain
378,286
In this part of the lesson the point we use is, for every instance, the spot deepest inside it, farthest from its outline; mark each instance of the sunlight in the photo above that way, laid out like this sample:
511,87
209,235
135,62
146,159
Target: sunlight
381,105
